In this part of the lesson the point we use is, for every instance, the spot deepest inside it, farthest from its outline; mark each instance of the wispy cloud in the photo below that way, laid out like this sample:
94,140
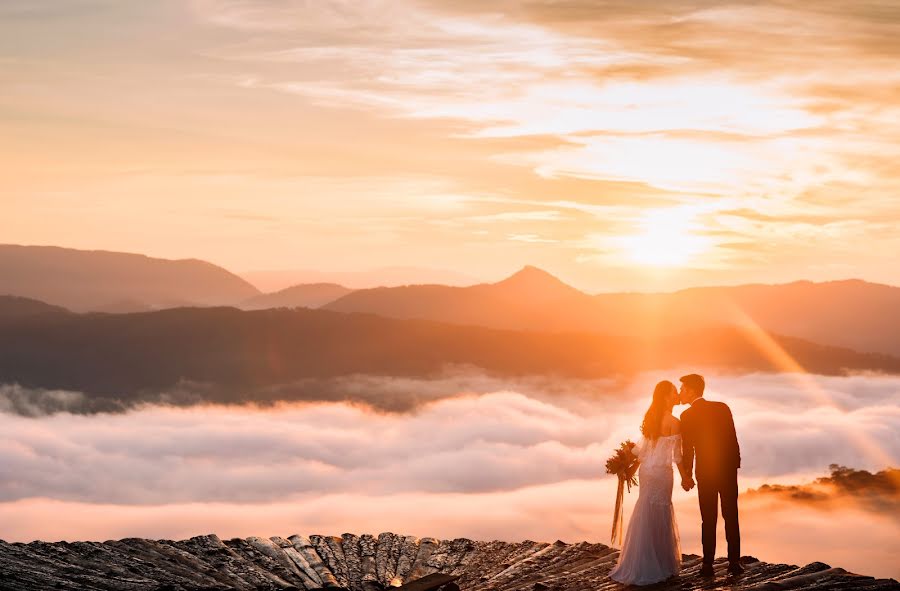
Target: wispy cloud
771,113
684,97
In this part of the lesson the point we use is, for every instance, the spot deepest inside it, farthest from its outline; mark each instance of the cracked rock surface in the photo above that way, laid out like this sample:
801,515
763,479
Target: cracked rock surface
370,562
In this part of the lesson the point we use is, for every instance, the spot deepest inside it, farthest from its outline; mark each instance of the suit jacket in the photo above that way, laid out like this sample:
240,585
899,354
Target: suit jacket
707,428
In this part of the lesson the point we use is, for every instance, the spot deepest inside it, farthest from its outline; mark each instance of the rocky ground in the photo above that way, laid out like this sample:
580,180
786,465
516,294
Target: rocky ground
369,563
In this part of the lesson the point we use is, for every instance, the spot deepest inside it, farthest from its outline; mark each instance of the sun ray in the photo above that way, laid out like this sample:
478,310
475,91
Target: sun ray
785,363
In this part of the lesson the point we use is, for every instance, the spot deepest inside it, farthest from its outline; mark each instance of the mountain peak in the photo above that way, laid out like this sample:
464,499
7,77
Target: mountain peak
531,273
537,282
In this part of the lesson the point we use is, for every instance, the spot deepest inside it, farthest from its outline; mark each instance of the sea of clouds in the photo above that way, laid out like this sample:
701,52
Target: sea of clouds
470,456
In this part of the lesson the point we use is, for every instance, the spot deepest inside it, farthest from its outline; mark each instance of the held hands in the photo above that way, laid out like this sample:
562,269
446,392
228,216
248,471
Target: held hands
687,480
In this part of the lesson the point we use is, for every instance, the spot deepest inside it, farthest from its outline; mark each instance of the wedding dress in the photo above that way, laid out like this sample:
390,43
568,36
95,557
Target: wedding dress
652,548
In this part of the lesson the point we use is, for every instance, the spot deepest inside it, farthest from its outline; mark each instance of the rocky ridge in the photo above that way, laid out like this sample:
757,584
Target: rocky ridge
369,563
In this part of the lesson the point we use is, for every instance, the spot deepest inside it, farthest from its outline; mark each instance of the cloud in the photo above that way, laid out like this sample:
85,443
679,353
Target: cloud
772,529
464,434
380,107
474,456
727,105
380,393
879,492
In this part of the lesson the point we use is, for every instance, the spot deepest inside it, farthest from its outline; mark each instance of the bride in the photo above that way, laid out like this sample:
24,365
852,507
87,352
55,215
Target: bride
652,550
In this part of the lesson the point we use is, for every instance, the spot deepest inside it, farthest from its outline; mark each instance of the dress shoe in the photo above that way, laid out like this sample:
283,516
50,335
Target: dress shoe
707,570
735,568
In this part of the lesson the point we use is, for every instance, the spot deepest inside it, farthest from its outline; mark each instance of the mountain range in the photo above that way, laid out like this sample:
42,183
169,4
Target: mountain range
230,355
382,276
850,314
90,280
309,295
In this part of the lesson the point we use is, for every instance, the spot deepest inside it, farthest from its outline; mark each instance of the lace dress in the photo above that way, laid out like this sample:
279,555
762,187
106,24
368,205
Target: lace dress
651,551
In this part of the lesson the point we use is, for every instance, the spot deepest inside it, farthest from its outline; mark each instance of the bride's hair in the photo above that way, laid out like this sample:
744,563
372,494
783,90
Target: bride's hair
652,425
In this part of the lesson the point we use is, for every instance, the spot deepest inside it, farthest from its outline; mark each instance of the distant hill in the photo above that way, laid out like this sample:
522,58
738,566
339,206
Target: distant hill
310,295
240,354
854,314
83,280
851,313
17,307
530,299
383,276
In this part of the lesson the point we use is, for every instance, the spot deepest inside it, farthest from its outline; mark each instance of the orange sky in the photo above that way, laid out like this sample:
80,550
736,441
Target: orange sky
620,145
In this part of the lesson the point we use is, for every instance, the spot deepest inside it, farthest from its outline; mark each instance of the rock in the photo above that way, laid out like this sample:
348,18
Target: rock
372,563
409,549
304,547
430,582
386,558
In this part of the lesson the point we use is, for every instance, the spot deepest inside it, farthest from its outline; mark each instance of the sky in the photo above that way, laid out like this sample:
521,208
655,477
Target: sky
619,145
490,460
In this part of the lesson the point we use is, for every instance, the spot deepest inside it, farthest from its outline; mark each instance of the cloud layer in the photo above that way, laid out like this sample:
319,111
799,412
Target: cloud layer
488,462
483,438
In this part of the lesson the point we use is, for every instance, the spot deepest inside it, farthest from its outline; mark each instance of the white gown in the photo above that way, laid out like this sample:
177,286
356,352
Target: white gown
651,551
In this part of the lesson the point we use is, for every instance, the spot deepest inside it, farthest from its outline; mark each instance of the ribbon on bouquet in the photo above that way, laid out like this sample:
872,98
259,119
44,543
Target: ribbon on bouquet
624,464
618,511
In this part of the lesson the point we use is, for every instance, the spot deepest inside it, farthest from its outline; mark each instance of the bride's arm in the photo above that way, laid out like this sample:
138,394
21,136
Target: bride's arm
679,458
678,454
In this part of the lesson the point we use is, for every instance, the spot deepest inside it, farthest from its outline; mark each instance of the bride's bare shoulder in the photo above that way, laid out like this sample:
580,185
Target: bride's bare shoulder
671,425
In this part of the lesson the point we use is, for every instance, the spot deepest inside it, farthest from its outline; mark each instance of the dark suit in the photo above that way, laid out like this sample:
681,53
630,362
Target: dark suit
707,428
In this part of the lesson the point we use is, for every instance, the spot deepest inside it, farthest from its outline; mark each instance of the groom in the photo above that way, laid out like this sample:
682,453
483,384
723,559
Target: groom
707,428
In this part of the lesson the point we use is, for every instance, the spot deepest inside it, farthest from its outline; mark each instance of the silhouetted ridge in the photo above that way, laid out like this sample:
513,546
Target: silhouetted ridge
529,276
851,313
91,280
119,360
534,282
19,307
530,297
307,295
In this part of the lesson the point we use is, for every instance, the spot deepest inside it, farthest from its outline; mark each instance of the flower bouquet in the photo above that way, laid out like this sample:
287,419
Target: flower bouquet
624,464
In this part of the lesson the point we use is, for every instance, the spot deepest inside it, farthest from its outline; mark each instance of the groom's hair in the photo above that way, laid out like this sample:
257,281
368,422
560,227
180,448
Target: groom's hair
695,382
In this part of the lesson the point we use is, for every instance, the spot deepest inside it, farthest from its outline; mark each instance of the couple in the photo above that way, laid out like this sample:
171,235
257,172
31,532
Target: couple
651,551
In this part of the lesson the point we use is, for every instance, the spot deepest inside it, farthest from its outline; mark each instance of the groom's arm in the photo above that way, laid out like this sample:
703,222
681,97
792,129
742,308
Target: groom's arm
687,447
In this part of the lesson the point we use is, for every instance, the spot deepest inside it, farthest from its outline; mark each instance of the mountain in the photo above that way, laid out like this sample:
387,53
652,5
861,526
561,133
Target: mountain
539,285
369,562
853,314
17,307
383,276
529,299
83,280
312,295
240,355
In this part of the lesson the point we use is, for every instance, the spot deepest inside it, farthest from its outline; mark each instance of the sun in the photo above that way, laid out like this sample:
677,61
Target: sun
668,238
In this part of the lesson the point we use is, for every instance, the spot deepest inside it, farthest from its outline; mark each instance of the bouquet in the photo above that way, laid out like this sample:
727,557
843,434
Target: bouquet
624,465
